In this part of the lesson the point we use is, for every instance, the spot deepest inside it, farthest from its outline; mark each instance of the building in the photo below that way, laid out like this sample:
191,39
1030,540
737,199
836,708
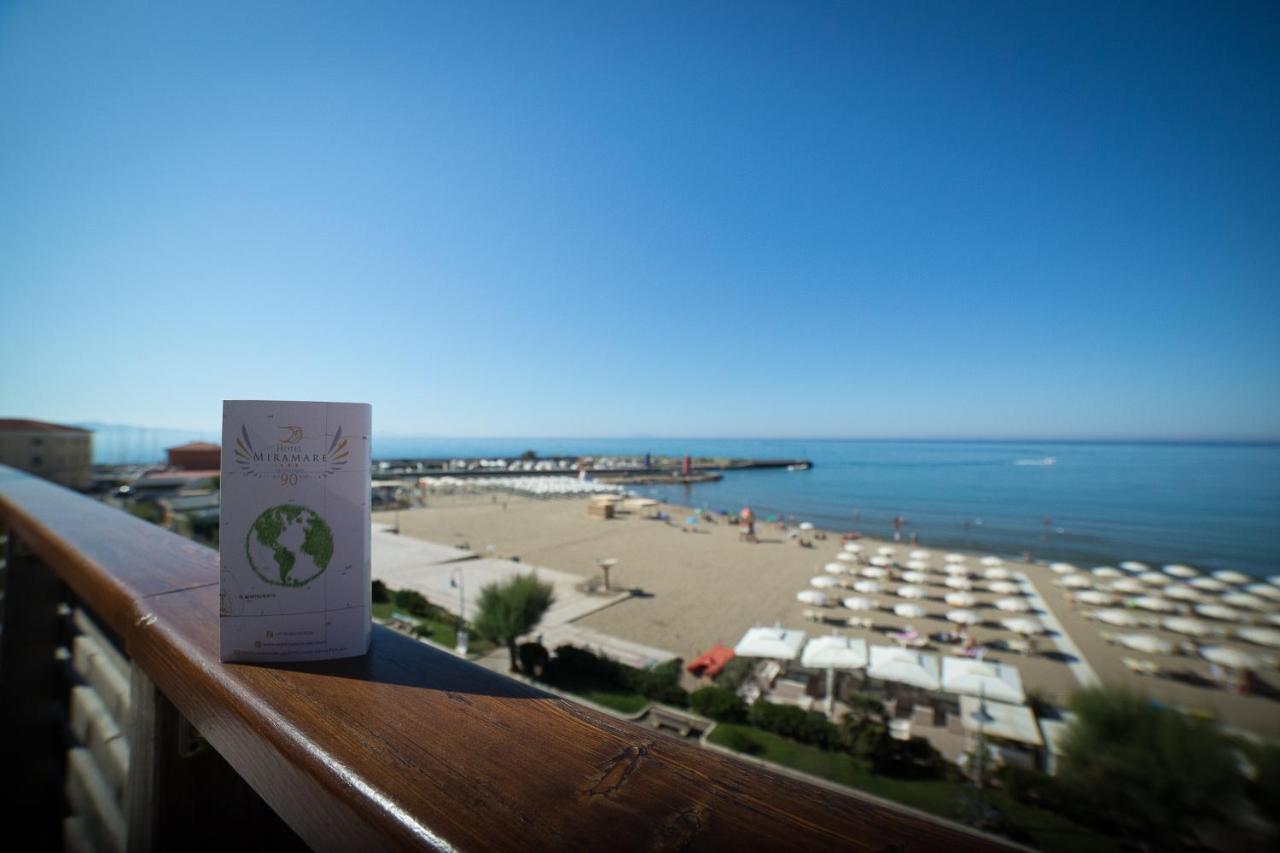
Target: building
63,454
195,456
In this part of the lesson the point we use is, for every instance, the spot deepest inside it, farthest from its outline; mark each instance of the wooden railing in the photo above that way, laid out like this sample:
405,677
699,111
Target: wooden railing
407,747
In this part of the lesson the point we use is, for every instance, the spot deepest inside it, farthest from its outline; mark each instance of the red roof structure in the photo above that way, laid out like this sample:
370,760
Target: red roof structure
197,445
27,425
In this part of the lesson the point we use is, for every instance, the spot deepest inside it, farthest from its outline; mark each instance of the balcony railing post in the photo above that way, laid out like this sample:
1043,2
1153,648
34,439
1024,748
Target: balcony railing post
33,685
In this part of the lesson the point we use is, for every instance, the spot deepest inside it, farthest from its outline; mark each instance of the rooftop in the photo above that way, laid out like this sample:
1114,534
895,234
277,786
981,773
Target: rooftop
28,425
196,445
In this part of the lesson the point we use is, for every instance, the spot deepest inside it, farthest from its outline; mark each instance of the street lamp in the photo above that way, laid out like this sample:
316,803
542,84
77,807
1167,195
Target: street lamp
460,639
982,717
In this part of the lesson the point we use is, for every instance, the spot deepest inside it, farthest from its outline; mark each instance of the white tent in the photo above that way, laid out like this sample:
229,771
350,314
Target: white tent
973,678
813,597
1261,636
834,652
1010,722
1186,625
909,611
1229,657
1148,643
1119,618
775,643
889,663
1180,571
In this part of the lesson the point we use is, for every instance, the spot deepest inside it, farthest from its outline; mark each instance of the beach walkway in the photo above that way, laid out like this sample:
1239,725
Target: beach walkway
1075,659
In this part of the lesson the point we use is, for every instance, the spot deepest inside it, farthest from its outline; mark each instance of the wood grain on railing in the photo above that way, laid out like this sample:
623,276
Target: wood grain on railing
411,747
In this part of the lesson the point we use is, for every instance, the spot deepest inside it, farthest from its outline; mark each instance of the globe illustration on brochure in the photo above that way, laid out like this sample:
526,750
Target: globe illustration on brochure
289,545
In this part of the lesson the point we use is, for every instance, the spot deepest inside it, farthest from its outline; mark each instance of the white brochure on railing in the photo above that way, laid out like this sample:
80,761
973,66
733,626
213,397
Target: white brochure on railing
294,534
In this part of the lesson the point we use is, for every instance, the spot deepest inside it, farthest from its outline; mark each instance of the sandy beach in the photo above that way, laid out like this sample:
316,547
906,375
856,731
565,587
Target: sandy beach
698,588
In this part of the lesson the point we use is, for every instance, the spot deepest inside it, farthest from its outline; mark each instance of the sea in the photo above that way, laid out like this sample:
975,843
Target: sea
1209,505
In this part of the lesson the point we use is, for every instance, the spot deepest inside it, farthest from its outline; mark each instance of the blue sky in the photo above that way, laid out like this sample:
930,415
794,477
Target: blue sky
686,219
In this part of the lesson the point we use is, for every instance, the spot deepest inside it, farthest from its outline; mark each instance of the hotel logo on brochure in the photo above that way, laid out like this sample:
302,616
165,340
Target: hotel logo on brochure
292,455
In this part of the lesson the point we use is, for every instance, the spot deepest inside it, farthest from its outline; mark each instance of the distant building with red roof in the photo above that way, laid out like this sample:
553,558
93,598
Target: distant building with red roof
63,454
195,456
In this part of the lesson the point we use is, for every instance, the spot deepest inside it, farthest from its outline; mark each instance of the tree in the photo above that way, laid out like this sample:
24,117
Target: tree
380,593
1146,770
507,610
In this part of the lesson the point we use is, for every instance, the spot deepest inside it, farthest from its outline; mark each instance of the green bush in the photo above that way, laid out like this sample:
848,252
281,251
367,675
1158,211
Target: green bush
740,741
573,667
533,659
789,721
381,595
412,602
862,737
734,673
718,703
908,759
1028,786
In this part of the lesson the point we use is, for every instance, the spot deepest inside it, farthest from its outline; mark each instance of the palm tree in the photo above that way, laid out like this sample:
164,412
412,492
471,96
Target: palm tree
510,609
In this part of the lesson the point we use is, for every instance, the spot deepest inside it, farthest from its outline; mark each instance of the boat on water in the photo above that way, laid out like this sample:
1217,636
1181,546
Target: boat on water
1047,460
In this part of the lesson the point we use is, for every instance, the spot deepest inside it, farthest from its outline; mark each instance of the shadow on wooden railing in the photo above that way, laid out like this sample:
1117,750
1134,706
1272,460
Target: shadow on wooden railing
407,747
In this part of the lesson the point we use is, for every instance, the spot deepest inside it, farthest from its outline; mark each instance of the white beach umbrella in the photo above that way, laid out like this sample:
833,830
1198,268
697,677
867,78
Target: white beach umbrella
1022,625
1265,590
834,652
956,570
1004,587
813,597
1180,571
1148,643
874,572
995,681
910,592
915,577
1245,600
885,551
960,599
919,554
959,583
823,582
1228,576
1119,618
1153,603
1077,581
853,547
1182,593
991,560
847,557
835,568
858,602
1063,568
881,561
997,573
904,666
1261,636
1013,605
1105,572
1153,578
1096,597
1187,625
1218,611
1128,586
1229,657
918,565
955,558
909,611
1135,567
962,617
806,525
775,643
867,587
1273,618
1209,584
1274,580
